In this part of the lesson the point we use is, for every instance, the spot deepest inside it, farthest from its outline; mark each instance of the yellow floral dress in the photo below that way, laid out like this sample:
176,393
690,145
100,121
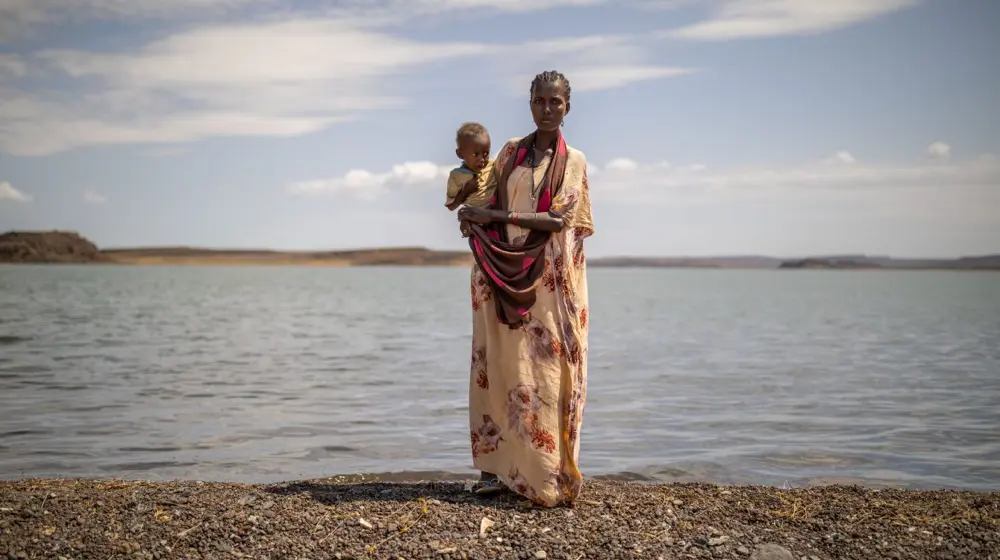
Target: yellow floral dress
528,385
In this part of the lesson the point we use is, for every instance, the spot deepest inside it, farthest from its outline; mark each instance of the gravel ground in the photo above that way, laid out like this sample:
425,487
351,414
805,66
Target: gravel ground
334,518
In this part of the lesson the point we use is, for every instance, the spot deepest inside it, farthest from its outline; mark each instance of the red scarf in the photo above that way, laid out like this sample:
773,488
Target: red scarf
514,272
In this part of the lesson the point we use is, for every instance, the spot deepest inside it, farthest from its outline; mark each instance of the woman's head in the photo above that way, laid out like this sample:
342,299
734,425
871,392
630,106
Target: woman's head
550,93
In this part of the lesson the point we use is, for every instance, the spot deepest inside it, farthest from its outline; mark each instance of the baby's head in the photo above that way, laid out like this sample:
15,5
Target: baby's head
473,145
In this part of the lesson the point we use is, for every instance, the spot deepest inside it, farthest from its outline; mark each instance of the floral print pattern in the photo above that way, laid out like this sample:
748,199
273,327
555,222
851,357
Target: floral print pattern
482,293
571,349
542,344
523,404
486,438
527,386
479,368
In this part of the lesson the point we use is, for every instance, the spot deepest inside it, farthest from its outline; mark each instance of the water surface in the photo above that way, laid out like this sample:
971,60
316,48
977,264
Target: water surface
265,374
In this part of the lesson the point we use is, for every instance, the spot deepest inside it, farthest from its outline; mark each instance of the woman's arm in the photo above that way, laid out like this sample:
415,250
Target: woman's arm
531,220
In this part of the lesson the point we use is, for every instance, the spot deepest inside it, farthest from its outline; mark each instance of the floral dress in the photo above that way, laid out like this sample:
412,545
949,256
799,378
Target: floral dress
528,385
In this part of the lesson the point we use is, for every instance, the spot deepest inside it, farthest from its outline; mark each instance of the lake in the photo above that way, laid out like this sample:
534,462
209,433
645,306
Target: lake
268,374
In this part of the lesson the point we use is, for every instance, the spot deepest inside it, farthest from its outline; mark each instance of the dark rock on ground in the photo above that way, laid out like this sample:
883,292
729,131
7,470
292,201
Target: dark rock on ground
771,552
328,519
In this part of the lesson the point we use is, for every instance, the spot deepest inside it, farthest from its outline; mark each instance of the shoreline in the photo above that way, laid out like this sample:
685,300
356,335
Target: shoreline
212,261
67,247
345,518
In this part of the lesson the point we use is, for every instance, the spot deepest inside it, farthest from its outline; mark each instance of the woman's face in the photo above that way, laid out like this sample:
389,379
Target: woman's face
549,105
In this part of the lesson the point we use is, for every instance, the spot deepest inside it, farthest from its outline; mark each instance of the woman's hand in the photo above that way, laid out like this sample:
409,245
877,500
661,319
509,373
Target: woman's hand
476,215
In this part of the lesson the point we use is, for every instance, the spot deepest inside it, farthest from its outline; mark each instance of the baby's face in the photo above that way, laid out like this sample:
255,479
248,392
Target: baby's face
475,151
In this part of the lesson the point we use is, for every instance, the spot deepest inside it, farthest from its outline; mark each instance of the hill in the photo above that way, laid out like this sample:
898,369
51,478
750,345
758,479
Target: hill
400,256
72,248
48,247
686,262
829,263
985,262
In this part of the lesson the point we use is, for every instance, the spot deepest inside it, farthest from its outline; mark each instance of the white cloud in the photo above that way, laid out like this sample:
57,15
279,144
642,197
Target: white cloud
305,75
376,13
842,157
835,176
8,192
290,52
505,5
594,78
21,17
439,6
690,168
12,65
739,19
939,151
924,207
623,177
166,151
592,63
94,197
621,164
310,68
360,183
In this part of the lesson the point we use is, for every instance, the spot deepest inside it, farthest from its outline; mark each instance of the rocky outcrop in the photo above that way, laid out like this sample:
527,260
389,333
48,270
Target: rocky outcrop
827,263
48,247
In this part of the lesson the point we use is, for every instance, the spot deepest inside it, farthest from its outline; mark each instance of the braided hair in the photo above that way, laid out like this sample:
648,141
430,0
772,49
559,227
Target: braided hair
551,77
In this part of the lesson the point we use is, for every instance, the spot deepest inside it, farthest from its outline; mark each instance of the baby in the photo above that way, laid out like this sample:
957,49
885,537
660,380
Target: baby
473,182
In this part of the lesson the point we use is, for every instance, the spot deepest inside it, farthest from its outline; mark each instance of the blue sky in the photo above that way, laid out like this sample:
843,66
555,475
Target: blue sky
783,127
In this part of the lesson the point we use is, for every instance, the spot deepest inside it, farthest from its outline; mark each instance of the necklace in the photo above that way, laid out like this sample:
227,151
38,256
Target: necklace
534,192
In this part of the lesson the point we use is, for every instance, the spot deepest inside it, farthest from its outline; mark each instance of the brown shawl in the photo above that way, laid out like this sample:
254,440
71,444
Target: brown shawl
514,272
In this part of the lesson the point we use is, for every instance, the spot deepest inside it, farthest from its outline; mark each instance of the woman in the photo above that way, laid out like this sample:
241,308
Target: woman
529,301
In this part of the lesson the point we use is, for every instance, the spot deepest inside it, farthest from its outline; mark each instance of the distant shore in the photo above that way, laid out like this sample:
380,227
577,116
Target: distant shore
329,518
71,248
402,256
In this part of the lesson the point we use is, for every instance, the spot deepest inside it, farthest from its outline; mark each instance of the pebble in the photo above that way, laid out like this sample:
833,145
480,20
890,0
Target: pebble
718,541
485,525
307,519
772,552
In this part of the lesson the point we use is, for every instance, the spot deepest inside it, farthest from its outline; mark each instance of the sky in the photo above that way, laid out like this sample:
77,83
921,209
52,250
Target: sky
710,127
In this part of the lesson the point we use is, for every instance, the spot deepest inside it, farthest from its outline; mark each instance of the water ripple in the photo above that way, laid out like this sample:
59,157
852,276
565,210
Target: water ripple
262,374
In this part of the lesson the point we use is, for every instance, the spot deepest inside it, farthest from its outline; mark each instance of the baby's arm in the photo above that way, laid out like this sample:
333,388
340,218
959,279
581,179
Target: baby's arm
457,193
